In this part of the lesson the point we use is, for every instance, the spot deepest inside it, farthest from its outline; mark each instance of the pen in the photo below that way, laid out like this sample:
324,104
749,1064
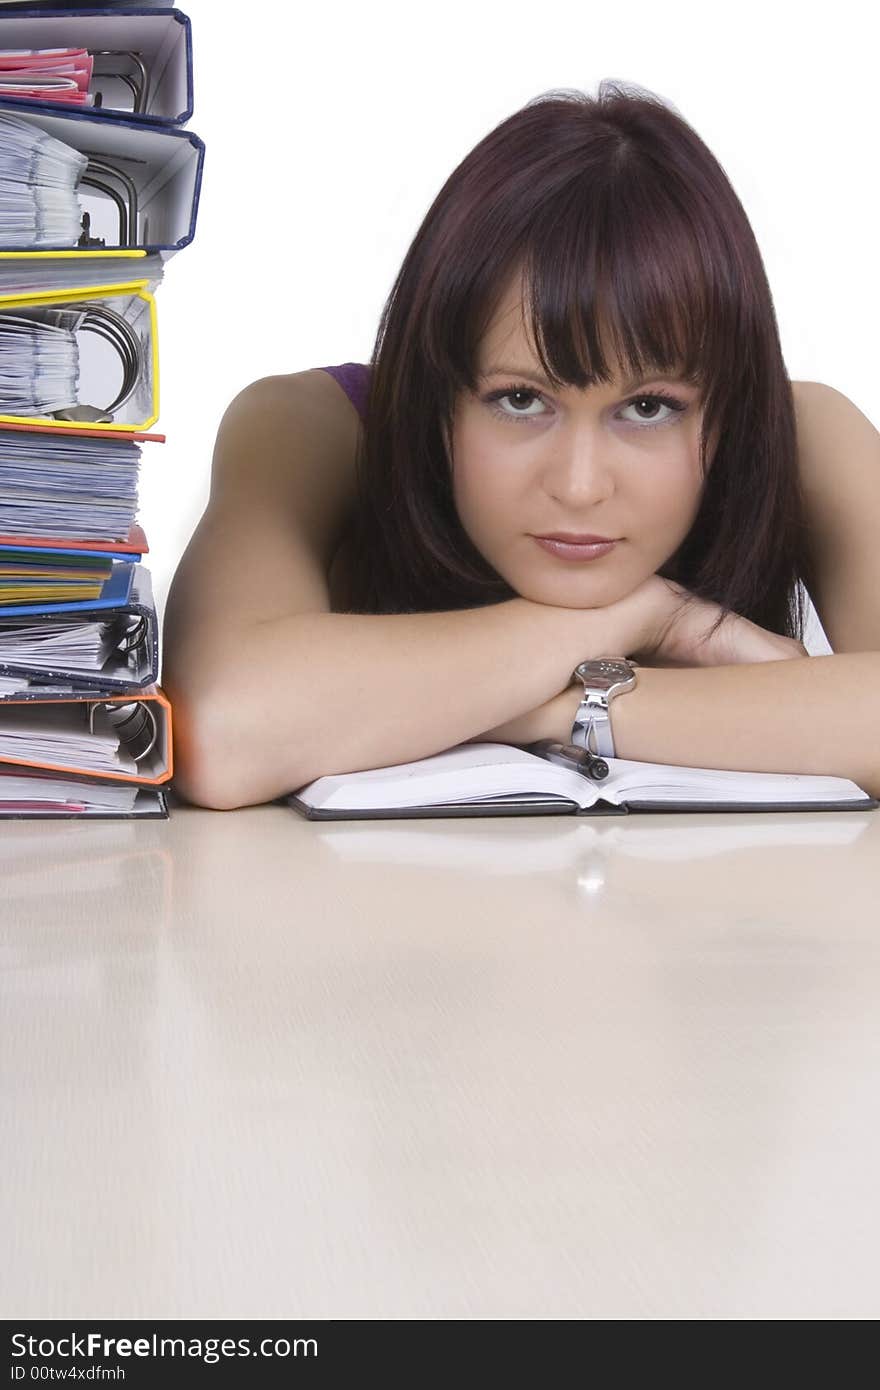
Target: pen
570,756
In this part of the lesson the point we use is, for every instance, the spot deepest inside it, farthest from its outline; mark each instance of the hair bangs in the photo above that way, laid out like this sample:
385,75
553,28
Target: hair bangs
611,297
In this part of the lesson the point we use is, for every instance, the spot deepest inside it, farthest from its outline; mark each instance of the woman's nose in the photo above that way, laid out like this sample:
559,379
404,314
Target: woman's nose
579,470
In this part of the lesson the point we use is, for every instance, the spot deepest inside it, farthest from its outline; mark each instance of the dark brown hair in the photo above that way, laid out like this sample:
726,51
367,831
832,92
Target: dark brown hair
614,212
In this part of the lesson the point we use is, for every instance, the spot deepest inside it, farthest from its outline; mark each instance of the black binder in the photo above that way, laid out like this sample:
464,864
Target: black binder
133,665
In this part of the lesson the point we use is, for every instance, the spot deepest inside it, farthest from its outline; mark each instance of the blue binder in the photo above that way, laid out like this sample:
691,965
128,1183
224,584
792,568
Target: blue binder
115,593
128,557
160,35
162,163
134,666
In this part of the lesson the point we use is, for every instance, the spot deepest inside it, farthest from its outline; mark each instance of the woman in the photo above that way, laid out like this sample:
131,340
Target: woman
581,339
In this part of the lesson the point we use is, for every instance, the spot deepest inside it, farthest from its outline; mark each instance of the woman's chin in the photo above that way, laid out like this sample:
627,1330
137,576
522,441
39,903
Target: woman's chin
563,596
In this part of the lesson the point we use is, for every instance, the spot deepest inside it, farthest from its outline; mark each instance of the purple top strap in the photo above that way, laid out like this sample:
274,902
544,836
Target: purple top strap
354,378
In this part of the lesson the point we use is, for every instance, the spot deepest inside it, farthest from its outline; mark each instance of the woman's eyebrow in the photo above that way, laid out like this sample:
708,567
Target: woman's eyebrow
530,374
516,371
637,381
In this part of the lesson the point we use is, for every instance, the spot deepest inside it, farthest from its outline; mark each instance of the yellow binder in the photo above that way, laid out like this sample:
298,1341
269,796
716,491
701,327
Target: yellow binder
124,315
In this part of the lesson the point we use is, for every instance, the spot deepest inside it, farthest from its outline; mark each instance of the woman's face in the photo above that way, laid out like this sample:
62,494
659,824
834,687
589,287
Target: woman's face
609,461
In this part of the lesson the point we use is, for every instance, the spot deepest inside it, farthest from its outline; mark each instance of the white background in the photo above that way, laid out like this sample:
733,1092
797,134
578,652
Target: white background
330,128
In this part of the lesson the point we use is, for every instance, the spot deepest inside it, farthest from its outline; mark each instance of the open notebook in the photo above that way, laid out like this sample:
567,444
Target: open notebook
498,779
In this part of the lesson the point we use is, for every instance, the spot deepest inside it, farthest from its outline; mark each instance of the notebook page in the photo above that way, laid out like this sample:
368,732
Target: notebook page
633,781
468,772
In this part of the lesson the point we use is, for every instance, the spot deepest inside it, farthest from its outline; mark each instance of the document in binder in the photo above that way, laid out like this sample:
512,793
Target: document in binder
137,185
60,76
42,595
80,356
45,653
139,64
28,795
35,272
78,579
81,485
113,739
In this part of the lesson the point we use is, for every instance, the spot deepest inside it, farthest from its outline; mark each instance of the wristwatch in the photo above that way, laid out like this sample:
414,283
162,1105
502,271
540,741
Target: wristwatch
603,679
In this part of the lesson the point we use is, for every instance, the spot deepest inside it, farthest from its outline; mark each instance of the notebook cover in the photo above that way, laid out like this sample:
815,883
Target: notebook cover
652,807
519,808
498,807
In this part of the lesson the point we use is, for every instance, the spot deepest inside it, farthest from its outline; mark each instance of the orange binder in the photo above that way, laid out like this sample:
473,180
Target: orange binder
141,721
30,427
135,544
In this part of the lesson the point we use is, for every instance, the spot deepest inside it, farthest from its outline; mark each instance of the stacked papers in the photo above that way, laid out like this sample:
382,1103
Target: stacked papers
39,360
58,733
47,74
82,648
40,794
67,485
19,274
39,205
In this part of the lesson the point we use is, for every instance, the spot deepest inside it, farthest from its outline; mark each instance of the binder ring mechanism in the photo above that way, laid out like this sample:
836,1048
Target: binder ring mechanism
137,83
135,638
135,724
121,189
114,329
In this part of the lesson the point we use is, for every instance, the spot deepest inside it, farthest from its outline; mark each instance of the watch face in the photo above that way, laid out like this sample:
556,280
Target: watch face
604,672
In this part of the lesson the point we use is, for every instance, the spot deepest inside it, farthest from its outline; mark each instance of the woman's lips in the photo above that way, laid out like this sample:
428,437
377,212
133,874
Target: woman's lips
565,551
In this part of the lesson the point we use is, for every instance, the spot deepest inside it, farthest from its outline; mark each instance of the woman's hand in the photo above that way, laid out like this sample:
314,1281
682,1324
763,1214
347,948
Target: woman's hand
673,628
660,623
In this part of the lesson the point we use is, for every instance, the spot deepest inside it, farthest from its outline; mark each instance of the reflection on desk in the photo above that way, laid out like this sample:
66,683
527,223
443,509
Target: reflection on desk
257,1066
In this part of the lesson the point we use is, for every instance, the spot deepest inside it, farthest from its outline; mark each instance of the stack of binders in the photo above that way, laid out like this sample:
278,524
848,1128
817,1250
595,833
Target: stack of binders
99,186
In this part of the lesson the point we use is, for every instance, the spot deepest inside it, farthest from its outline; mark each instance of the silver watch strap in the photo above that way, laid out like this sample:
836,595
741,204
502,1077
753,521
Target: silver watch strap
592,725
603,678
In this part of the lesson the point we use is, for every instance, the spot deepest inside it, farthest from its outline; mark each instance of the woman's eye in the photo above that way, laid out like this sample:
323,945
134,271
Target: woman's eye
646,408
521,404
647,412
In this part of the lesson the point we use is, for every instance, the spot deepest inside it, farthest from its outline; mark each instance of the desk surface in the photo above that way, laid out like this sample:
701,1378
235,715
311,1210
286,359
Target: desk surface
539,1067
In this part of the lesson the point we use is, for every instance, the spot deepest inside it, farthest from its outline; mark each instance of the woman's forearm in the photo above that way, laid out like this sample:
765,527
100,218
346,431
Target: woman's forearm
818,715
285,701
